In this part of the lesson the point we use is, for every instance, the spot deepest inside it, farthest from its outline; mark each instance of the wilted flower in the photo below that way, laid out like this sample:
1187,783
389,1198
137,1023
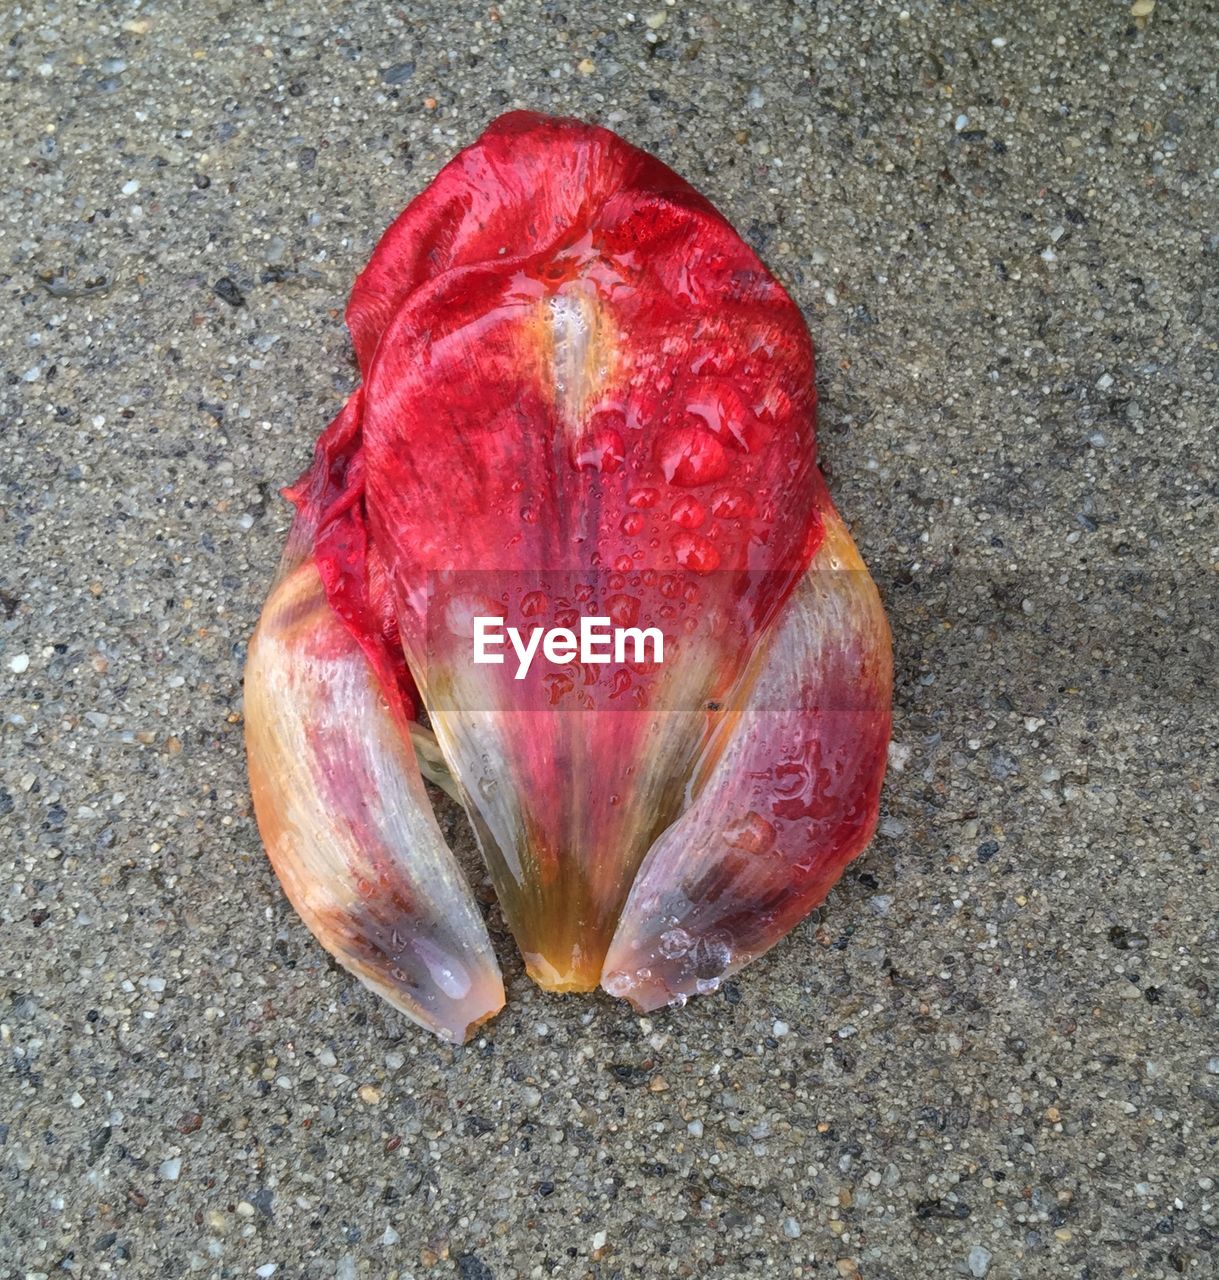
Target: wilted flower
587,415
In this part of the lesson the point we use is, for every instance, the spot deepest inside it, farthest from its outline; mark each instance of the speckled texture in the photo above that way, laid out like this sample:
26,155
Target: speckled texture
996,1052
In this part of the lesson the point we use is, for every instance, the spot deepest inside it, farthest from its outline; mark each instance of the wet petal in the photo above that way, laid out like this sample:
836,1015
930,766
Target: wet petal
570,359
346,820
788,797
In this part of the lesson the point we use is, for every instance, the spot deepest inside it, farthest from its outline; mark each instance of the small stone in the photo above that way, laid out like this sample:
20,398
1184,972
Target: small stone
780,1029
400,73
695,1128
131,187
791,1228
599,1238
267,1270
1104,382
19,663
655,20
390,1236
369,1095
170,1170
227,291
531,1096
586,66
1142,8
76,1101
245,1209
658,1084
978,1261
327,1058
1212,1065
395,1061
961,123
848,1268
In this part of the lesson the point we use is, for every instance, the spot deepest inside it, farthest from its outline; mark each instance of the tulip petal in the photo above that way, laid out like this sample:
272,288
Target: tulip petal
582,388
789,797
345,817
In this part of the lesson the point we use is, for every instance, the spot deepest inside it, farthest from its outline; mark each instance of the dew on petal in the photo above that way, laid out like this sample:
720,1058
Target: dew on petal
534,603
723,410
674,943
623,610
752,833
732,504
695,552
688,512
600,448
711,957
618,984
691,456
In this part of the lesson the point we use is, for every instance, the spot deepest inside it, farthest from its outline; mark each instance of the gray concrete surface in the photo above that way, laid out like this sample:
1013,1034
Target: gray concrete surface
996,1051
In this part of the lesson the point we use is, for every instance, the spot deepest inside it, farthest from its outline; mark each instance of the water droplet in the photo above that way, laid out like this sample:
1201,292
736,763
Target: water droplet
711,957
618,984
690,456
623,610
732,504
632,524
695,552
674,943
645,497
688,512
599,448
725,413
558,684
752,833
620,682
534,603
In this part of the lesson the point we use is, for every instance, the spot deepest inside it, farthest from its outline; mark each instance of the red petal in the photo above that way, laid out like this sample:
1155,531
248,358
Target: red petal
789,796
331,515
562,342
